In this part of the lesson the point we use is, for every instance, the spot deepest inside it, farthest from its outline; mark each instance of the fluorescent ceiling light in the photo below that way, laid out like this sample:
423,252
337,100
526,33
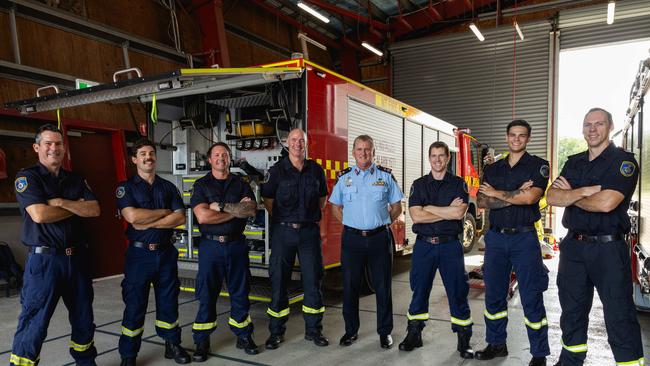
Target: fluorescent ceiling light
477,32
313,12
521,35
312,41
372,49
611,6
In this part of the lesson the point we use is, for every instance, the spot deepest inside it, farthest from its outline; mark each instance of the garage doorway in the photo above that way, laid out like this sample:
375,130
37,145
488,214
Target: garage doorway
598,76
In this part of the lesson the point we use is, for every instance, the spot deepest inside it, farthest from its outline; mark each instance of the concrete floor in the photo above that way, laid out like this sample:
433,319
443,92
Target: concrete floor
439,341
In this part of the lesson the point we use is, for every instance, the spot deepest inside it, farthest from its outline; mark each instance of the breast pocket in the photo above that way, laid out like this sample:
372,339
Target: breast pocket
378,193
349,193
287,194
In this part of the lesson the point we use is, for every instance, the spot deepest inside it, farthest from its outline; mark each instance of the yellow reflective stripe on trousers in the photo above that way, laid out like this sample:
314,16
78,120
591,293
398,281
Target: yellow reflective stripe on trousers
81,347
308,310
578,348
423,316
204,326
639,362
132,333
21,361
165,325
499,315
279,314
462,322
243,324
536,326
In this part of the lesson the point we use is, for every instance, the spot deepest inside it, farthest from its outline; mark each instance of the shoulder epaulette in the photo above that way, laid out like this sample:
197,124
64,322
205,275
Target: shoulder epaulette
343,172
387,170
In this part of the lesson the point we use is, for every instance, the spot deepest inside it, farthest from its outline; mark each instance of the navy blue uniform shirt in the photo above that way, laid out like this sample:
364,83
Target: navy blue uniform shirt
296,194
427,191
505,178
614,169
230,190
37,185
138,193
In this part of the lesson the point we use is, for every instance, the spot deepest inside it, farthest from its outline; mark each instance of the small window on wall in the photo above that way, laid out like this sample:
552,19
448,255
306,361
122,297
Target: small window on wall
451,166
475,151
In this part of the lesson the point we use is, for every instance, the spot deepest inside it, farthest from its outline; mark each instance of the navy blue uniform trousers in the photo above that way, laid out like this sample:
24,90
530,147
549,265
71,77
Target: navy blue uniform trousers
47,278
520,251
605,266
143,268
376,253
285,243
218,262
449,258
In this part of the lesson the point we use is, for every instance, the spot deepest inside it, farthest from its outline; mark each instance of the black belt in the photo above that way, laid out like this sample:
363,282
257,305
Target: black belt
436,239
69,251
514,230
297,225
597,238
222,238
370,232
149,246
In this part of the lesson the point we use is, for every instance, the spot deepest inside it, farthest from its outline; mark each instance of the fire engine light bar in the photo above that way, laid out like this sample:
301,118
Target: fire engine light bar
313,12
611,7
519,32
314,42
372,49
477,32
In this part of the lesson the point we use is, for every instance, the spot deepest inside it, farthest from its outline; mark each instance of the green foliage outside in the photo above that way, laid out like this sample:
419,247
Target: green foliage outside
569,146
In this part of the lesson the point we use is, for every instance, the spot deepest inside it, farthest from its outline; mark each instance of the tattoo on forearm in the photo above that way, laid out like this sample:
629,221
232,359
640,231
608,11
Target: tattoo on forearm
490,202
241,209
511,194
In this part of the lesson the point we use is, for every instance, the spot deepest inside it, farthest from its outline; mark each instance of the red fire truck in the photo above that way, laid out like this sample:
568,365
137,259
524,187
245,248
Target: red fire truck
253,109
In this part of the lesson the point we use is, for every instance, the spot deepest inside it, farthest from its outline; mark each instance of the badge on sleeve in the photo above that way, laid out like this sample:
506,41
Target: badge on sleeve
412,189
119,193
627,169
544,171
267,176
465,187
21,184
87,185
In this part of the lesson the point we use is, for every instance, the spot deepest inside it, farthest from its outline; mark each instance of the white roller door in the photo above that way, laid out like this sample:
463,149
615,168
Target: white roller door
412,167
386,130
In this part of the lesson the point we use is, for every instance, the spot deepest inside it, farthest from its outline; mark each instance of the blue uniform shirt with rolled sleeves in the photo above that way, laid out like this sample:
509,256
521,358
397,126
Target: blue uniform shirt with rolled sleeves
502,176
36,185
429,191
138,193
365,196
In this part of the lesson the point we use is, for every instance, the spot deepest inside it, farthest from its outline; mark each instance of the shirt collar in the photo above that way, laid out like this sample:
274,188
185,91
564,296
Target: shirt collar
523,160
446,178
42,170
584,156
137,179
370,170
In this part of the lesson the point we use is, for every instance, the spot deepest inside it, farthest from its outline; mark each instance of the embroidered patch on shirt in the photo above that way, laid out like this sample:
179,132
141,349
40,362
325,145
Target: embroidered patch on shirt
627,168
119,193
21,184
544,171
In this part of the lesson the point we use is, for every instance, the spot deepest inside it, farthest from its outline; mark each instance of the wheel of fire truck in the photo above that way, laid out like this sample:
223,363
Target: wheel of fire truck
469,233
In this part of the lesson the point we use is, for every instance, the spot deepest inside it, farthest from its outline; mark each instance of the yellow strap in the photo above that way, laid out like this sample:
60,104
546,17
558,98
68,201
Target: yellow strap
164,325
423,316
308,310
280,314
639,362
154,109
243,324
81,347
204,326
22,361
58,118
538,325
462,322
132,333
497,316
579,348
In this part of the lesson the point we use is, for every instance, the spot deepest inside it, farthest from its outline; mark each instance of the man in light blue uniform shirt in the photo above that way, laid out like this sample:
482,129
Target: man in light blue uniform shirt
366,199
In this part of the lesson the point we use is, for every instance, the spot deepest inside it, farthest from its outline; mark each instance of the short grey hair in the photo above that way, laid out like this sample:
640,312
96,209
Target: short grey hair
597,109
46,127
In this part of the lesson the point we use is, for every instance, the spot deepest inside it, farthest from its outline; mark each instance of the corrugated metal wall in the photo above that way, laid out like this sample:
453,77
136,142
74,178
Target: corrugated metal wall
412,167
470,83
584,27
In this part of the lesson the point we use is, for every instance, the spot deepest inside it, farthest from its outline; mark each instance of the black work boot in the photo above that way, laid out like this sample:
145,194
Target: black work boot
202,350
248,345
537,361
128,361
491,351
559,363
274,341
463,347
178,353
413,336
